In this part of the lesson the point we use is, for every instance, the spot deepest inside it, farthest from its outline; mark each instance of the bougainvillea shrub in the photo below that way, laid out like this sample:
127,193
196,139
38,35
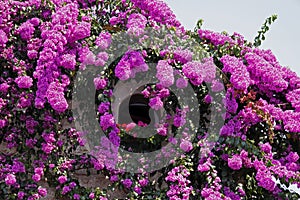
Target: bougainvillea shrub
230,113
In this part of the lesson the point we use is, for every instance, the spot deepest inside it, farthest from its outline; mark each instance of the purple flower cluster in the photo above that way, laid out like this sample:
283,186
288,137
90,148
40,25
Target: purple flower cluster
62,179
179,188
230,101
24,81
186,145
265,75
289,118
4,87
103,107
215,38
33,47
156,103
264,177
291,77
55,96
100,83
237,128
217,86
162,129
79,31
101,59
239,77
294,98
235,162
103,41
106,154
127,183
3,38
284,169
64,29
291,121
212,190
130,64
267,148
30,125
26,30
87,57
136,24
292,157
204,166
10,179
9,173
38,173
230,128
181,83
197,72
182,55
107,121
158,11
231,194
68,61
164,73
180,117
2,103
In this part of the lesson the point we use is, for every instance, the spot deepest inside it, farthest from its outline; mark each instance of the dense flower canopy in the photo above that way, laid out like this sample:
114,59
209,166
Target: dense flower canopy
45,45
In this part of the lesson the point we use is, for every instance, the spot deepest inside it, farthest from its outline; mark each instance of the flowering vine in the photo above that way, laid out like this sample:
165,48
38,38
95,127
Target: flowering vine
45,45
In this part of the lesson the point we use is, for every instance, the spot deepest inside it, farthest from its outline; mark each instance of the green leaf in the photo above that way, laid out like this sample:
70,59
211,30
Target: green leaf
265,27
198,25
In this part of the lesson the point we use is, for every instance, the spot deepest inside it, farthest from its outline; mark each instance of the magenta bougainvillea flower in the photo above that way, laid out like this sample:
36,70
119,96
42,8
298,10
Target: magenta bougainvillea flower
235,162
244,141
24,81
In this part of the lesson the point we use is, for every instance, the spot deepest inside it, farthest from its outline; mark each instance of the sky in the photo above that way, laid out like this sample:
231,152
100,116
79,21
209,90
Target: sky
246,18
